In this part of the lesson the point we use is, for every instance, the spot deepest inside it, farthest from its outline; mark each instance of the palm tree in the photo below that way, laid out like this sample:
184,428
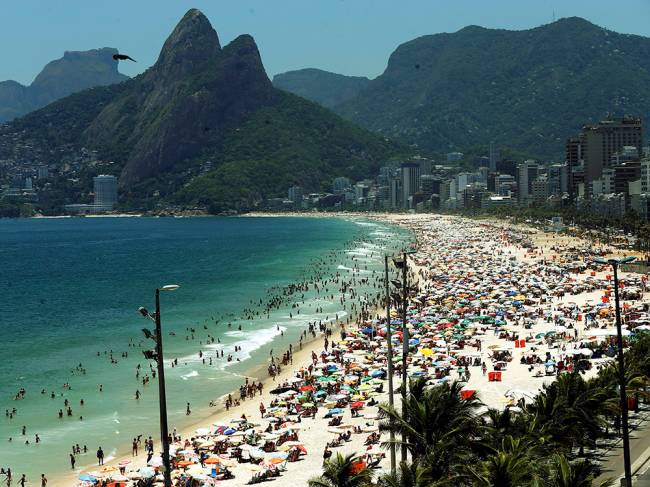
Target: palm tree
562,473
515,464
341,472
408,475
571,410
437,426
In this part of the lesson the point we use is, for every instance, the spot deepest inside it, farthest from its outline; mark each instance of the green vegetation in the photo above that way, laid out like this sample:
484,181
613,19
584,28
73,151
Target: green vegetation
293,142
527,89
450,442
325,88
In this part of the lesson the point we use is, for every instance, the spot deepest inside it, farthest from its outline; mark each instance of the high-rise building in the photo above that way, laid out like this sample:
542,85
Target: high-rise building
494,158
425,165
410,181
574,160
527,173
558,182
483,173
645,176
105,189
606,138
394,191
341,184
430,185
540,191
506,166
295,194
504,184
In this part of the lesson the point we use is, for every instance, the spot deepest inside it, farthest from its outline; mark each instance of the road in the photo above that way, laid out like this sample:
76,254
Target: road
612,461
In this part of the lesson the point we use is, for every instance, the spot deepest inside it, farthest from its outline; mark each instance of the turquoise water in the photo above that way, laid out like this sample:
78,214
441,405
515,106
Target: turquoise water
70,293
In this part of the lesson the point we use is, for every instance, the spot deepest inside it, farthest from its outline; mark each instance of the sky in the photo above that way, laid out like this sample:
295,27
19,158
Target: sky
352,37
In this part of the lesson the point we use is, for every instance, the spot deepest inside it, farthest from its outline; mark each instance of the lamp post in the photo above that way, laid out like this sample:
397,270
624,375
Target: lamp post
162,396
389,338
615,263
403,265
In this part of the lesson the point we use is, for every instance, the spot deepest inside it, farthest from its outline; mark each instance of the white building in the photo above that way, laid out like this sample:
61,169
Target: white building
105,189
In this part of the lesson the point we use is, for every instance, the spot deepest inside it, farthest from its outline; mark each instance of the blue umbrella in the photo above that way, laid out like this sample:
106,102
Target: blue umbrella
87,478
550,362
379,373
147,472
229,431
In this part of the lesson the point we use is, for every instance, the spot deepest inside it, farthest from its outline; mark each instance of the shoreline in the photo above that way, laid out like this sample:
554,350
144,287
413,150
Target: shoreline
259,373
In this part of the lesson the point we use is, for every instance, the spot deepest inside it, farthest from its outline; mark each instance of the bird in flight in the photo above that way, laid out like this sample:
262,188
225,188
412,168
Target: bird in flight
123,57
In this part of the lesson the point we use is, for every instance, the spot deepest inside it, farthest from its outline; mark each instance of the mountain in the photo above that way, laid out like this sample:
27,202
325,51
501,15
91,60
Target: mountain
75,71
526,89
323,87
204,125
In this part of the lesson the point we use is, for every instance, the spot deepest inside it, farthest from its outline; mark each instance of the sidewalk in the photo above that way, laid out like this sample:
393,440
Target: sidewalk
612,457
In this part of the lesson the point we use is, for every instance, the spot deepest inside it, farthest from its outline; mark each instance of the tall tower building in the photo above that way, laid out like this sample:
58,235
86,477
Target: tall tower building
603,140
105,189
410,181
527,173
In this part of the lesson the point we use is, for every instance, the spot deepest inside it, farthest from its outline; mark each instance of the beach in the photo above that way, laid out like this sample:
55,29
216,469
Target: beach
95,310
551,322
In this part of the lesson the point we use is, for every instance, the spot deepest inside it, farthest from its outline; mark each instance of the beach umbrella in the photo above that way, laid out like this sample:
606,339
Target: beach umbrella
124,463
87,478
213,461
307,388
147,472
357,404
155,462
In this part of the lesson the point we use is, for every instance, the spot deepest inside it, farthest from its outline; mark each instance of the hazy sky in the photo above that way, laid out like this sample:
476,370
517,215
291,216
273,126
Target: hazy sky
352,37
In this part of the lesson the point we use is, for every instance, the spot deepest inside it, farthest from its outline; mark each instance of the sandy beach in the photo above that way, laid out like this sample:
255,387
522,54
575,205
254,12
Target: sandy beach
520,379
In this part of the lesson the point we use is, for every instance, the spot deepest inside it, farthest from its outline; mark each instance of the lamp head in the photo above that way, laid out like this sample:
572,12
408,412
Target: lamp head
148,334
170,287
150,355
143,311
397,284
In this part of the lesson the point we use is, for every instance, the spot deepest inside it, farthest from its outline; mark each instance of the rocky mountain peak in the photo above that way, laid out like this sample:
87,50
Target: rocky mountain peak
193,41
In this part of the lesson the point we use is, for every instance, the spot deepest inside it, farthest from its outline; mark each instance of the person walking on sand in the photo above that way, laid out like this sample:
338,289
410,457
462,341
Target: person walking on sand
188,411
22,481
134,447
43,480
100,456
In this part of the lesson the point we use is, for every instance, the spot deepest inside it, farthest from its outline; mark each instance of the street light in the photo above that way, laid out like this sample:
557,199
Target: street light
615,263
157,355
389,338
402,263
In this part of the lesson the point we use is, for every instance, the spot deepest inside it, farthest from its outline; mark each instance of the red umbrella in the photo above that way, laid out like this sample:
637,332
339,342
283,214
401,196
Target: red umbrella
307,388
357,404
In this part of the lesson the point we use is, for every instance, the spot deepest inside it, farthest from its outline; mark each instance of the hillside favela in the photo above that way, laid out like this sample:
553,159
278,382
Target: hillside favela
362,243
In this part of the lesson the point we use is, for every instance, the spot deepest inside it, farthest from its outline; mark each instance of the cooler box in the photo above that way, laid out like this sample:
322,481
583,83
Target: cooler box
491,376
467,394
497,376
631,403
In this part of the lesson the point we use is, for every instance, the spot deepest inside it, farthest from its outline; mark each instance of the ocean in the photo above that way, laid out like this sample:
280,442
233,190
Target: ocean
70,291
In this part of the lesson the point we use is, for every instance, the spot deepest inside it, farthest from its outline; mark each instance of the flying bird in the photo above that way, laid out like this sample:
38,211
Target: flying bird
123,57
